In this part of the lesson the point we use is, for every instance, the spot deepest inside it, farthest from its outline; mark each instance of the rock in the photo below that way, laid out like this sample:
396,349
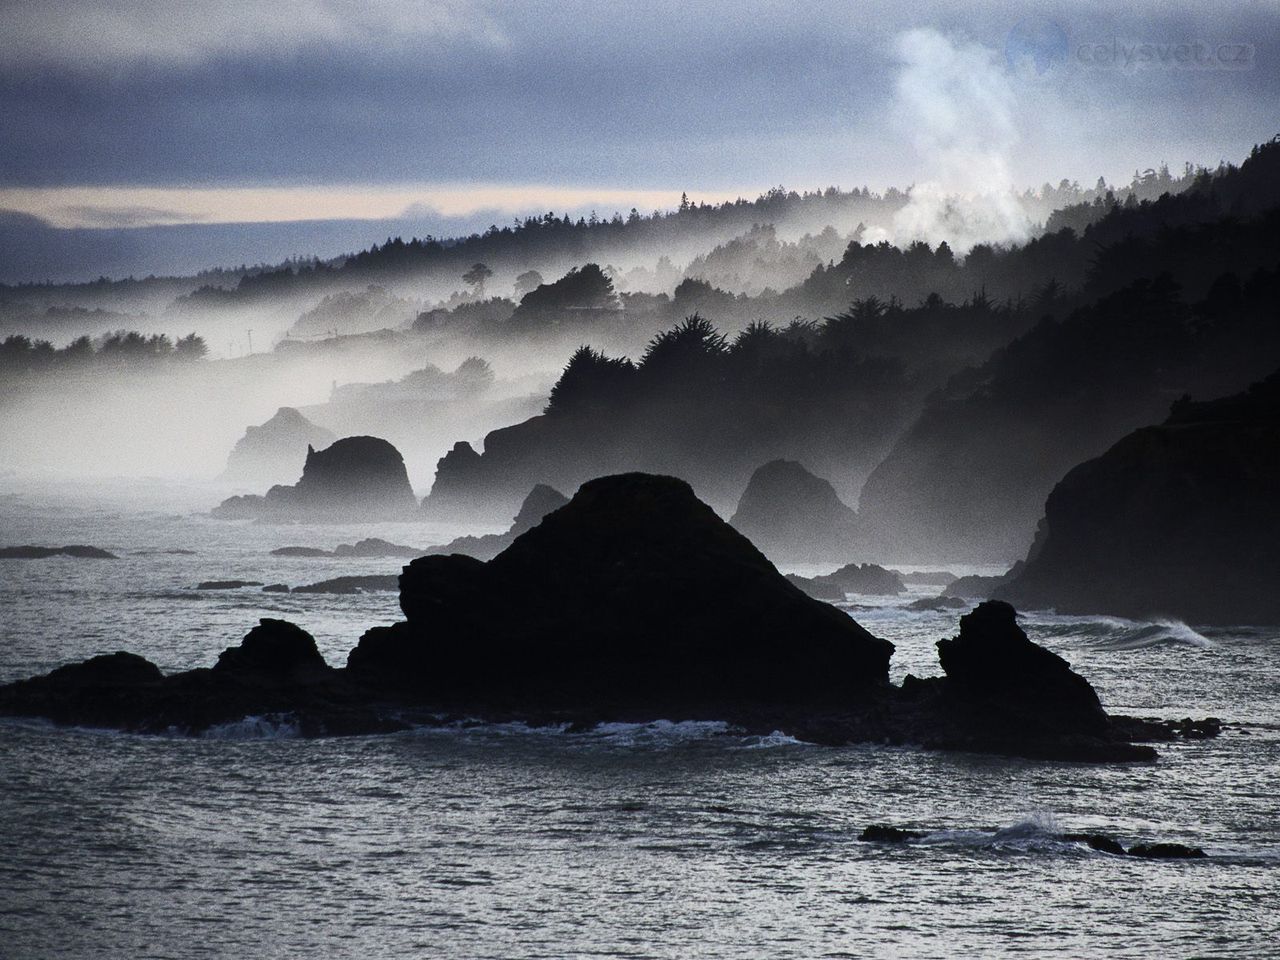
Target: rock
227,584
369,547
80,552
274,451
790,514
541,500
276,588
999,678
633,602
1166,851
975,587
275,671
354,584
109,669
355,479
879,833
301,552
275,651
375,547
867,578
1178,520
635,593
938,603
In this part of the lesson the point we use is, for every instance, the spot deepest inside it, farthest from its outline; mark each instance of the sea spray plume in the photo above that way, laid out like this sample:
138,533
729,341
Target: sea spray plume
957,102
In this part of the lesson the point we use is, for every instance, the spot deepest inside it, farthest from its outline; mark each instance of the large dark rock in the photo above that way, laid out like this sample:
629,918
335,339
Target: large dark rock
357,478
790,514
633,593
1177,520
997,676
274,451
541,500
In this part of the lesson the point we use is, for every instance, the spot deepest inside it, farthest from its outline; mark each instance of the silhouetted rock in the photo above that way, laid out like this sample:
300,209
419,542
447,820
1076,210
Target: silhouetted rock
80,552
1178,520
541,500
276,450
1166,851
792,515
227,584
275,651
635,593
371,583
375,547
276,671
301,552
357,478
276,588
1001,679
851,578
977,587
632,602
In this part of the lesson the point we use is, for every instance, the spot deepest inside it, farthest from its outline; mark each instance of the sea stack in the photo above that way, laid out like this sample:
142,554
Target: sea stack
357,478
791,514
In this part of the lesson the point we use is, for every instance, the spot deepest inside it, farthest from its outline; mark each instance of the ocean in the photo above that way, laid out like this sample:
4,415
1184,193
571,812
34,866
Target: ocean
665,839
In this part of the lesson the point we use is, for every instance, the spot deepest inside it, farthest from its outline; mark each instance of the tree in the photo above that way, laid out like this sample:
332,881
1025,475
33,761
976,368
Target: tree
527,282
477,276
190,347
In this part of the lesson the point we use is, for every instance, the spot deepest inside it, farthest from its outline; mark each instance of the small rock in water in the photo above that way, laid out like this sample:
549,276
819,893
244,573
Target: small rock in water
276,588
79,551
1166,851
227,584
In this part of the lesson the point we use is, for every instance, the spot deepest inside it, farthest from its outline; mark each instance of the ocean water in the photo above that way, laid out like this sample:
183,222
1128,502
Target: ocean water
661,840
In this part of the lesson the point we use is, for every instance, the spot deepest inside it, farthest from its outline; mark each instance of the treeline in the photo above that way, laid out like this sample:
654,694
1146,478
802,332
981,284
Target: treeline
20,354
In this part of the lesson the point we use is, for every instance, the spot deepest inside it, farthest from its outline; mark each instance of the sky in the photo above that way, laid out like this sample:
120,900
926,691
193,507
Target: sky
122,113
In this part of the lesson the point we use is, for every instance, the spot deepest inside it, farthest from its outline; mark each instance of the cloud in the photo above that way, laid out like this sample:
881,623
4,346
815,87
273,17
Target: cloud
716,95
110,32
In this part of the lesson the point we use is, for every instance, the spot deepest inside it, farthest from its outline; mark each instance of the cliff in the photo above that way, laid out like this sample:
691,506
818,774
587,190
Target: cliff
1179,520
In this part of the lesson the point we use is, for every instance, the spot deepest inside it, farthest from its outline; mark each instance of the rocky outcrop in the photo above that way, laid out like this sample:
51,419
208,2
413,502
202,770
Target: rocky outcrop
541,501
355,479
635,594
866,578
632,602
276,671
79,552
790,514
1177,520
274,451
358,583
369,547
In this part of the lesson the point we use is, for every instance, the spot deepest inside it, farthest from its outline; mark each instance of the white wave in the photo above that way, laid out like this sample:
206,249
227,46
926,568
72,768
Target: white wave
775,739
270,727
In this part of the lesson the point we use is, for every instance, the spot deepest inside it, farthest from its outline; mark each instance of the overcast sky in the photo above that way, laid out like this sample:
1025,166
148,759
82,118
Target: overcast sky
141,111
